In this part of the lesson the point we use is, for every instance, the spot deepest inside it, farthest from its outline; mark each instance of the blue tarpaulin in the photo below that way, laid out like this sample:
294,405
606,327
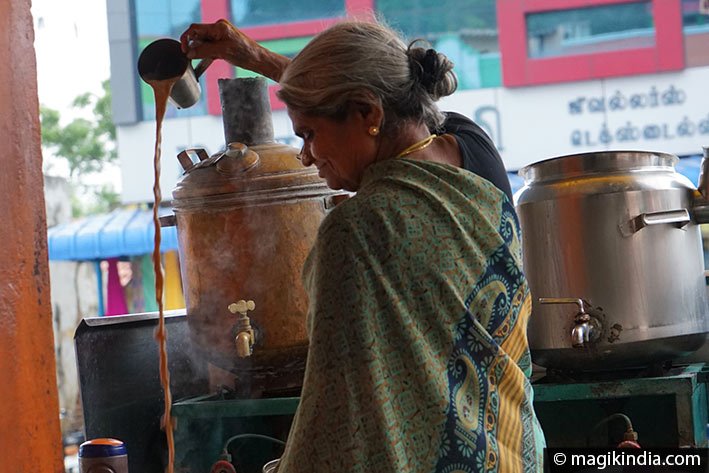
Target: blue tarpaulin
130,232
690,168
123,232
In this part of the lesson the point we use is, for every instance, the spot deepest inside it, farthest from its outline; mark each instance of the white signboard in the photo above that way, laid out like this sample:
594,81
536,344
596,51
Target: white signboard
659,112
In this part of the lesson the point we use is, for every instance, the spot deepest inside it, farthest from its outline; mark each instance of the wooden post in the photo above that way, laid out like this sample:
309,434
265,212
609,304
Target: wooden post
30,438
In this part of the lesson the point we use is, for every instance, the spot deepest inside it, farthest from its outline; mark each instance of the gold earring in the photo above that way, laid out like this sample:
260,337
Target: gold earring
374,130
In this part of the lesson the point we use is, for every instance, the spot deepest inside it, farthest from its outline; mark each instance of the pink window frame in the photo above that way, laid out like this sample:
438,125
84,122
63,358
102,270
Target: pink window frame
213,10
520,70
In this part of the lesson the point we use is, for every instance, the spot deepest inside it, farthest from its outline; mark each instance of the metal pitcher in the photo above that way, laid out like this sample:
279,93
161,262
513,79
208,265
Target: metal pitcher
163,60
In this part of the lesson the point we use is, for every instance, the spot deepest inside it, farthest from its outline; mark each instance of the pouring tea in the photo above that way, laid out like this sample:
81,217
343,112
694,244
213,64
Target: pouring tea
163,59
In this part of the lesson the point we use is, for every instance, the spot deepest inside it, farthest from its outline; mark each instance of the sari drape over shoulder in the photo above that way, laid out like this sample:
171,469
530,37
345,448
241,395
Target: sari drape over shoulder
418,357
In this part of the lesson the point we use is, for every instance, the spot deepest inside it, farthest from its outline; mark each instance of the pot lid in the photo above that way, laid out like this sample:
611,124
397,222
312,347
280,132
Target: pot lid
241,172
583,164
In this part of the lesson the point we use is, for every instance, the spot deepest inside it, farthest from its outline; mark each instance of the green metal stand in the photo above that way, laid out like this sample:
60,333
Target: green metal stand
205,424
666,411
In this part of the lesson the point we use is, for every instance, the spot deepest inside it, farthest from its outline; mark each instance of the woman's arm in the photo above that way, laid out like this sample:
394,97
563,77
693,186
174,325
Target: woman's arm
222,40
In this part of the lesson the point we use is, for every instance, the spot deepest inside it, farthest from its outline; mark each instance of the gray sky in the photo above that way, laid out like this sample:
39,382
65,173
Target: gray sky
71,45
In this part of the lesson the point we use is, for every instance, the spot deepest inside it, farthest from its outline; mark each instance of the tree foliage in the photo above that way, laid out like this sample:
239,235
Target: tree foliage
87,145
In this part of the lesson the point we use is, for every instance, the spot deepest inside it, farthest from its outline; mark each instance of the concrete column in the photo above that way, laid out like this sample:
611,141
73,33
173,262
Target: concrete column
30,438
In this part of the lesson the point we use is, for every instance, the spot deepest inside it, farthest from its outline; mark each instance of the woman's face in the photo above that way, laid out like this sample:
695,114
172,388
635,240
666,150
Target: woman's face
340,149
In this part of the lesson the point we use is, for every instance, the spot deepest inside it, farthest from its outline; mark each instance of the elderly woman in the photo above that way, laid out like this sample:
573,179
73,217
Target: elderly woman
418,357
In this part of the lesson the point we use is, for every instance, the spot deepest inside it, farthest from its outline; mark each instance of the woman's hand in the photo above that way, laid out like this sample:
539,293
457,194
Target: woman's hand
222,40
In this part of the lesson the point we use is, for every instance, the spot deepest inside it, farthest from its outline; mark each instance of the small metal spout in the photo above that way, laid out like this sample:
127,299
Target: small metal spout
580,334
586,327
244,342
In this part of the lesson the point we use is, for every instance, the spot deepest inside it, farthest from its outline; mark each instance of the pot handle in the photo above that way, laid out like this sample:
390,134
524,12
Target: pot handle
678,218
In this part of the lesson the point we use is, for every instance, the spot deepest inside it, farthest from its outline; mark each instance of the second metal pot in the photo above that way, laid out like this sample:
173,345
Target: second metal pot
614,261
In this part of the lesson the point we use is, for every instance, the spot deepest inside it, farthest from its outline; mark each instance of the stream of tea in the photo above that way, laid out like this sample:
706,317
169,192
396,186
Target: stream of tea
161,89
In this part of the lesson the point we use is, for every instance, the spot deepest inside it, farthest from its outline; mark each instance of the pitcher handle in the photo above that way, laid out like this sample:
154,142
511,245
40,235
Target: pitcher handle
202,66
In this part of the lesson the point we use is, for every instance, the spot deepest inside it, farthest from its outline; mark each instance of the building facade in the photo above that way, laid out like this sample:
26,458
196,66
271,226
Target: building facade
543,77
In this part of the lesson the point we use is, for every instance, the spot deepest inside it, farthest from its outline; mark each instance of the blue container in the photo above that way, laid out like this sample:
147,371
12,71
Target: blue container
102,456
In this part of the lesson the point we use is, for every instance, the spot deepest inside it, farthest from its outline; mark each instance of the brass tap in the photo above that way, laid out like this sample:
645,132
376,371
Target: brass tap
245,333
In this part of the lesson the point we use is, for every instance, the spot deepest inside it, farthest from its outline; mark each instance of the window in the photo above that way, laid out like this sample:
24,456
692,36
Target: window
695,24
463,30
283,26
161,18
156,19
431,18
548,41
590,30
288,47
695,19
247,13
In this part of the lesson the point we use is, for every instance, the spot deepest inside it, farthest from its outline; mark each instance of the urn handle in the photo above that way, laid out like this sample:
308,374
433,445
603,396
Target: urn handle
185,157
168,220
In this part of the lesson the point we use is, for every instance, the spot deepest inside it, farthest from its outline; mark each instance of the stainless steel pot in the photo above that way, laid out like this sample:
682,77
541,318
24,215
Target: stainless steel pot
614,260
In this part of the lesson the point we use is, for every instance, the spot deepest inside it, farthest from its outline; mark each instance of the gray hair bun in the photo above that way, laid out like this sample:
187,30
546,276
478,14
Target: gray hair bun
432,70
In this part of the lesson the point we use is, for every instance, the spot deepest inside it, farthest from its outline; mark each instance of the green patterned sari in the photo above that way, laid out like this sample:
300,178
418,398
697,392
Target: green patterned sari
418,358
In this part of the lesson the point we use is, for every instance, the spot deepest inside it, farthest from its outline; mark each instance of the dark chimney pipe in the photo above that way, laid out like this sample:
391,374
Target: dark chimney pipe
246,111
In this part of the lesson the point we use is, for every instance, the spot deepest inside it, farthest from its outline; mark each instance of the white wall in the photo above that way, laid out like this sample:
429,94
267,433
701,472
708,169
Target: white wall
73,296
71,44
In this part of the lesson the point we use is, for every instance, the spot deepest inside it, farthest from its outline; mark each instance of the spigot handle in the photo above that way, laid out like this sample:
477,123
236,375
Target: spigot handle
582,304
241,307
